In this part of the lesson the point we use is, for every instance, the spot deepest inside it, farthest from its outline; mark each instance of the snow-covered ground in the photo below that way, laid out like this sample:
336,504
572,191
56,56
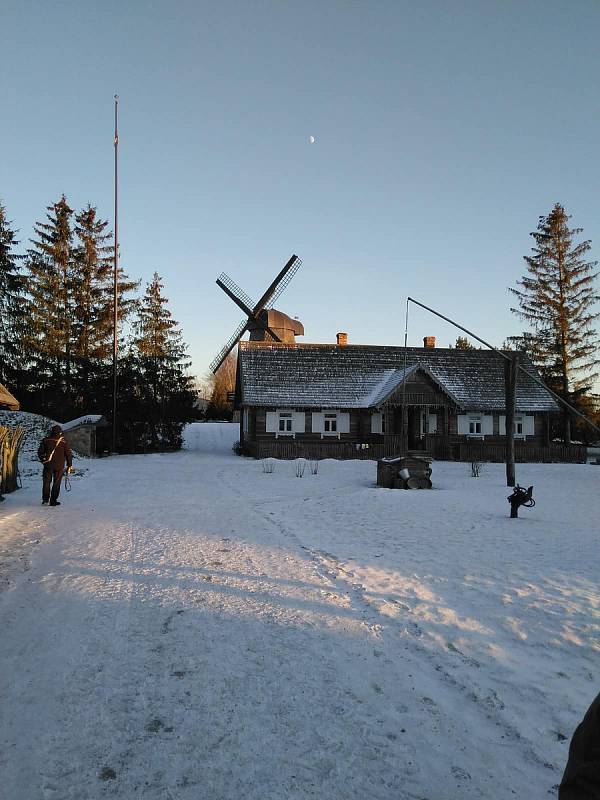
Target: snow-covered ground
187,626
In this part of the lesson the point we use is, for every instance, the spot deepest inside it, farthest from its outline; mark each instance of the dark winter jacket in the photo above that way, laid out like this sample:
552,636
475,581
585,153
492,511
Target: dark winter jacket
581,780
54,451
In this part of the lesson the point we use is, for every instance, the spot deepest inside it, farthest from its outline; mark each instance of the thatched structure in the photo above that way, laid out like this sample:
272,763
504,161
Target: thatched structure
7,401
10,444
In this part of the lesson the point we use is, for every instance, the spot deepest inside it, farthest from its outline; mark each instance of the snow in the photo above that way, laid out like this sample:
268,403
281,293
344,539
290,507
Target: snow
85,420
188,626
36,428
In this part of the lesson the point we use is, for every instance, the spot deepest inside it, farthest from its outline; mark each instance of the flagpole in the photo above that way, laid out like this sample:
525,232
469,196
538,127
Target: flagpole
115,278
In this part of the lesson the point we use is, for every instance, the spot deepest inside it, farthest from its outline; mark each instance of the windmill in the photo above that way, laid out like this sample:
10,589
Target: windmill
262,321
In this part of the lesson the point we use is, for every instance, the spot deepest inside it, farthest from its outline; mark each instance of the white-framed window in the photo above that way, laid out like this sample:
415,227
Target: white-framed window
524,425
475,426
330,422
285,422
378,422
428,423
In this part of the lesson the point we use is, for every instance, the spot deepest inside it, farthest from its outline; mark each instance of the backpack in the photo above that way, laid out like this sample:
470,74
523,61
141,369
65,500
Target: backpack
42,451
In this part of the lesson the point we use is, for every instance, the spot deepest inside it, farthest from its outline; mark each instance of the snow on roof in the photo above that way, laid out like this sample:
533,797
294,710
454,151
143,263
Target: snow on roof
363,376
88,419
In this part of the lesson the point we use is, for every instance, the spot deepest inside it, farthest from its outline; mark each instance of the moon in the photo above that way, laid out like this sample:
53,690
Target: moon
311,139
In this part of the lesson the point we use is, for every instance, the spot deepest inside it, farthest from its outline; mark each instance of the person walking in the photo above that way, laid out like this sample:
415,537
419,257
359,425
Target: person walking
53,451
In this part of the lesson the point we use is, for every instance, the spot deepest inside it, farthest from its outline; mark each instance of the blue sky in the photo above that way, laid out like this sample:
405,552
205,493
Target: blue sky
443,131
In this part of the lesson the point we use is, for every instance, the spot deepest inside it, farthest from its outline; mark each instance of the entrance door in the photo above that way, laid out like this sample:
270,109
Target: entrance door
415,440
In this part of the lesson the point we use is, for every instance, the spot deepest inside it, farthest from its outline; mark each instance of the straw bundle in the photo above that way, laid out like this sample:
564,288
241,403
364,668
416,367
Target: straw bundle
10,443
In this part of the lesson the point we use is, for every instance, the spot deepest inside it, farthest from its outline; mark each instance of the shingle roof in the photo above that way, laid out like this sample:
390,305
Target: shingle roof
363,376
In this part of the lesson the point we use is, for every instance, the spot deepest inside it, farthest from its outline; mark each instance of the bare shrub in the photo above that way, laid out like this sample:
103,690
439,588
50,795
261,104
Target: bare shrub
300,467
476,468
268,465
314,467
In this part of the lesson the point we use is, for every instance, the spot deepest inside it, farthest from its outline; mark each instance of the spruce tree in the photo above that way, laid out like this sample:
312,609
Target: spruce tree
462,343
556,298
165,394
12,359
92,287
50,310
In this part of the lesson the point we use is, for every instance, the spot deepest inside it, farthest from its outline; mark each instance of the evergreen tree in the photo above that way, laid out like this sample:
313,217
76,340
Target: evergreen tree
12,360
462,343
50,310
556,299
93,295
165,397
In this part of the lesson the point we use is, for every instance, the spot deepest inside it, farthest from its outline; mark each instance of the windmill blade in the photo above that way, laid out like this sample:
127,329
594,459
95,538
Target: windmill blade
228,347
280,283
238,295
272,334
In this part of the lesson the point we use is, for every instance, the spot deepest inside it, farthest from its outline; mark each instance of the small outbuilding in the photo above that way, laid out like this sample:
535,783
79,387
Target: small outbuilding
82,434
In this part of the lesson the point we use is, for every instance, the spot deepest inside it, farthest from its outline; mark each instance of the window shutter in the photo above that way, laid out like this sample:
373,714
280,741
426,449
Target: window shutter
502,425
432,423
245,420
343,421
487,424
317,422
529,425
463,424
271,425
299,421
376,423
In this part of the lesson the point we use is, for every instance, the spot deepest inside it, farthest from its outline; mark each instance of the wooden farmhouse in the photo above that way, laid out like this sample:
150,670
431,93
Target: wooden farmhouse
347,401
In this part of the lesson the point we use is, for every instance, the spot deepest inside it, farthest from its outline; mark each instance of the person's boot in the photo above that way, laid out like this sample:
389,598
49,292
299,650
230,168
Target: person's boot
54,502
44,502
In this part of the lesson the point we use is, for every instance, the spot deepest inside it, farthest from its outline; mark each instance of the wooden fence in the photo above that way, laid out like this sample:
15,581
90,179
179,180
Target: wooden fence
524,452
436,447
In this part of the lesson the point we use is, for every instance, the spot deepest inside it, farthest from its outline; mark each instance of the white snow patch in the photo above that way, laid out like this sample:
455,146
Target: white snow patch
186,625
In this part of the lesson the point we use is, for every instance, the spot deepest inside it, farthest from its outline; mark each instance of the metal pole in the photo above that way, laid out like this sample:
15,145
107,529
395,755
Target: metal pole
403,427
115,278
510,379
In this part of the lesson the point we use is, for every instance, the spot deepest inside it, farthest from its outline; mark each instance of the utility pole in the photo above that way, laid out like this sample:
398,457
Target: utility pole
115,278
511,368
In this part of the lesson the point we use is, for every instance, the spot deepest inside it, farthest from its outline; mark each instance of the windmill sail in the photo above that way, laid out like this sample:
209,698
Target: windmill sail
228,347
233,290
259,314
285,281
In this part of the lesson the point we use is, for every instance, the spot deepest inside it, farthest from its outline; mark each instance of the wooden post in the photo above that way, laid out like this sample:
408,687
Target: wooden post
511,369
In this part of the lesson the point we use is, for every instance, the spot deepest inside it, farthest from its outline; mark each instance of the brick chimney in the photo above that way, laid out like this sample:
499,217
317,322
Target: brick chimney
429,341
342,339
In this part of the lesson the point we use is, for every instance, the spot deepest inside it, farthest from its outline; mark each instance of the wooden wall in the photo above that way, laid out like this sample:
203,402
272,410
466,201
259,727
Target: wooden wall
447,444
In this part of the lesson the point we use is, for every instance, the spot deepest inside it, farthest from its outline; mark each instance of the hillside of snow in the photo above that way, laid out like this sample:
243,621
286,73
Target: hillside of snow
187,625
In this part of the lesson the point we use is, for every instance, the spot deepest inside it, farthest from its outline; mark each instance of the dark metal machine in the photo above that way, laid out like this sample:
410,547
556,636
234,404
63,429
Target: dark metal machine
520,497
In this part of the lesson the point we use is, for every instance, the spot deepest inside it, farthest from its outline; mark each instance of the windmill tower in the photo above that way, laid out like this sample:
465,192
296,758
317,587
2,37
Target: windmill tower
264,323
